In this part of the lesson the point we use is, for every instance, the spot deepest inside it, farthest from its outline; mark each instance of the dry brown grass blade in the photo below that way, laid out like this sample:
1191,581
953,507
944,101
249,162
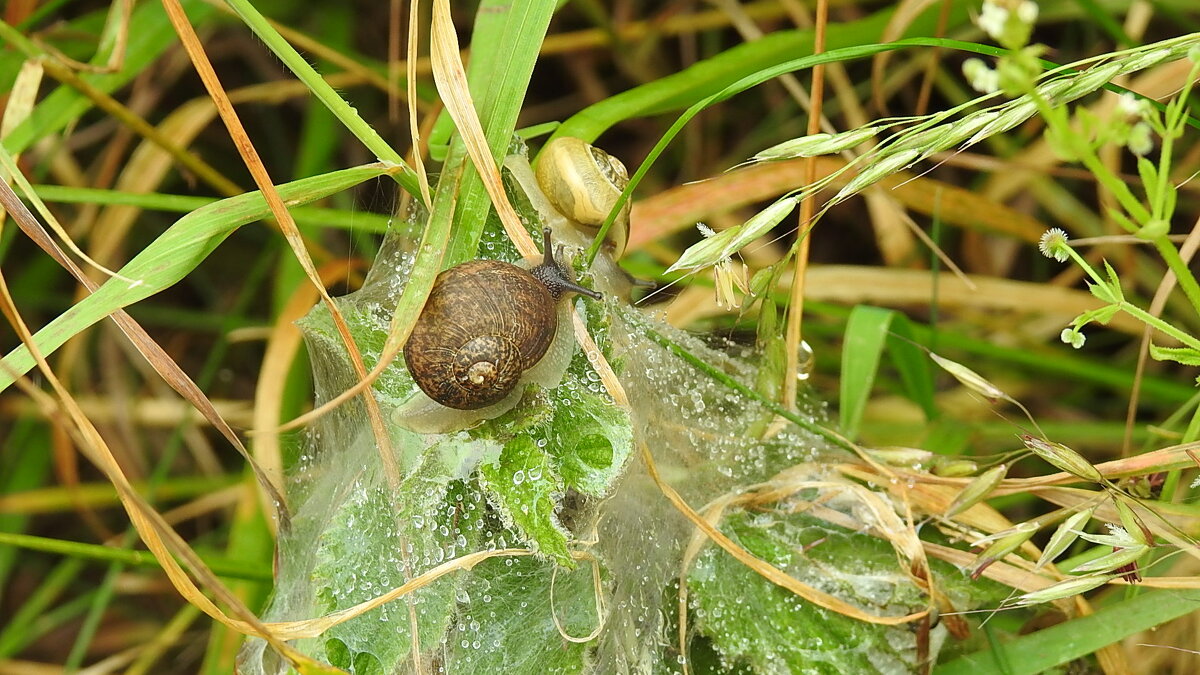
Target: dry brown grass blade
451,81
294,630
241,139
892,287
414,127
598,594
162,363
1002,571
14,174
1163,459
398,332
287,225
21,98
793,331
162,541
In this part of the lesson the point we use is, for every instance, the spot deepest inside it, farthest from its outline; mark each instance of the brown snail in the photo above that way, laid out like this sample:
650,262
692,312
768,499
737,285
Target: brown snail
485,324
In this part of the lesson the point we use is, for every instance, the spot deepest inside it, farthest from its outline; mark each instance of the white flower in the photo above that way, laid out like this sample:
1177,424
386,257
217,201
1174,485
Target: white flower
705,230
1053,244
982,79
1141,139
1073,337
992,19
1027,12
1133,106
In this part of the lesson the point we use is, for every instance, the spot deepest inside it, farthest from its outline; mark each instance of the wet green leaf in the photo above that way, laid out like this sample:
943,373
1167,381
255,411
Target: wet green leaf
525,490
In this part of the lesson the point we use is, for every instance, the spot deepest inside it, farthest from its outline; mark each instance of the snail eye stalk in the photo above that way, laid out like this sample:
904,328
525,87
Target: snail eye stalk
554,276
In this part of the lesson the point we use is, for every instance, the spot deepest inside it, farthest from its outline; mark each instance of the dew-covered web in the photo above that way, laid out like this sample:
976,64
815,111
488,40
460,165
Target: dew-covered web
560,474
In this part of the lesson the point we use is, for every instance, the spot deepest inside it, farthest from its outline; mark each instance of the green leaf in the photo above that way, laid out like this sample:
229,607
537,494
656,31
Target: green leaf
173,255
865,339
356,559
523,487
507,625
1114,284
591,439
1121,219
1185,355
757,624
1149,175
1104,314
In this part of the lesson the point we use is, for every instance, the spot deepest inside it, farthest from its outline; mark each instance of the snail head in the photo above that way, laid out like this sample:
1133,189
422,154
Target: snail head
556,277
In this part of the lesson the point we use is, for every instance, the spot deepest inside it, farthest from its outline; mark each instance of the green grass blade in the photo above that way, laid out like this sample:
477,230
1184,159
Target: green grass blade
712,76
1054,646
174,254
81,551
325,93
156,201
150,34
505,43
865,338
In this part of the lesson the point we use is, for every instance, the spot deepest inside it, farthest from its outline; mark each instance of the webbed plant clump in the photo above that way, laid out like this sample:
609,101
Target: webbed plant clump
589,552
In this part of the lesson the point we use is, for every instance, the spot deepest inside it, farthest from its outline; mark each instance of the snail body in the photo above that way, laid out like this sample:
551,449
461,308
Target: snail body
485,323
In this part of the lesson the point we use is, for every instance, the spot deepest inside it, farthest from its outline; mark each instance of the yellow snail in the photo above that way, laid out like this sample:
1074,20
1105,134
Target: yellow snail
583,182
574,189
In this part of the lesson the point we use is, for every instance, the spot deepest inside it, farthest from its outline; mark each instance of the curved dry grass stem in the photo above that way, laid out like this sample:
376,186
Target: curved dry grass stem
162,541
282,347
763,568
249,154
291,233
414,35
307,628
15,175
597,591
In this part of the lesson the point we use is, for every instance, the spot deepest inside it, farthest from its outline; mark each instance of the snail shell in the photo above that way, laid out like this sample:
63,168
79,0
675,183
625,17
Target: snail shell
583,183
485,323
